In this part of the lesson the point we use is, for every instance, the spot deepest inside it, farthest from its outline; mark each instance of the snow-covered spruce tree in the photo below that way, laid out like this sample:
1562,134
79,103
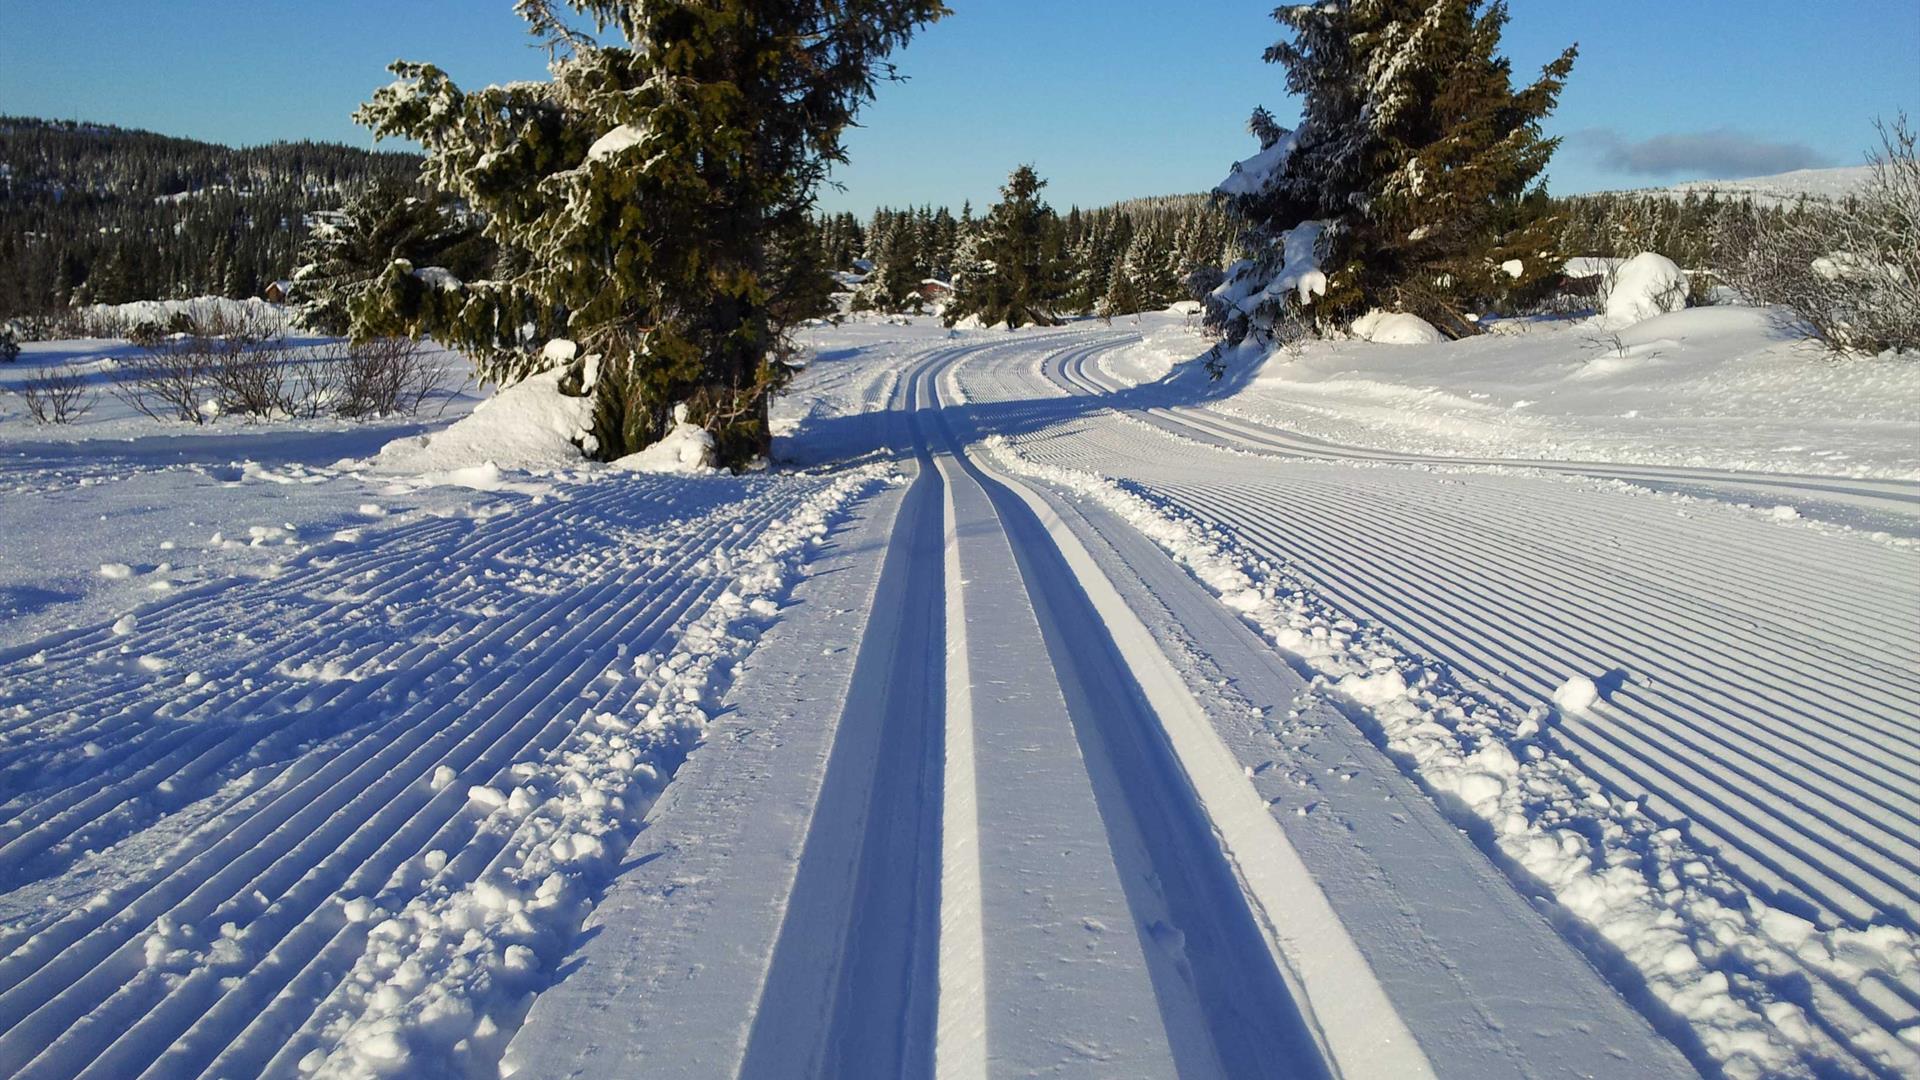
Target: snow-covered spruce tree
1017,273
1412,181
634,196
341,260
893,285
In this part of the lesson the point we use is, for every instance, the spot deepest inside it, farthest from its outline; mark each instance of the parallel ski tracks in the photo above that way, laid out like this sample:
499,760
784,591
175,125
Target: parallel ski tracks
1766,679
314,790
1227,1009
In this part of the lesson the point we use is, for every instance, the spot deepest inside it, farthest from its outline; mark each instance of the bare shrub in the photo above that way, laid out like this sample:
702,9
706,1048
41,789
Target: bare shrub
389,377
249,382
1850,274
57,397
247,325
167,381
266,378
313,380
9,345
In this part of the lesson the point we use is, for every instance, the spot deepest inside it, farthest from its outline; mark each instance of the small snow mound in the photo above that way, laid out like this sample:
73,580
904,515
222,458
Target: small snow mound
1577,694
687,449
1784,513
1643,287
116,571
1396,328
529,425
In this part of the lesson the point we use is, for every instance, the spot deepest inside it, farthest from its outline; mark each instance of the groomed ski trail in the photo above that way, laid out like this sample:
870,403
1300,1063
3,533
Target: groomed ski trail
343,819
1758,685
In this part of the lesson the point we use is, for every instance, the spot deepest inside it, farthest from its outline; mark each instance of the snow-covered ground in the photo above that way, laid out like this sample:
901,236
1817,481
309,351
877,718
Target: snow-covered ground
1715,387
1048,708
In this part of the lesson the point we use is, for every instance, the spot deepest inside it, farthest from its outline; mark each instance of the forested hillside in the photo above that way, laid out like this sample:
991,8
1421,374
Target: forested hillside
97,214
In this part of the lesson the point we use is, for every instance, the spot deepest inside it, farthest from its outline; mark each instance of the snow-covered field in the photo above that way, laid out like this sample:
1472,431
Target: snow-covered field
1049,709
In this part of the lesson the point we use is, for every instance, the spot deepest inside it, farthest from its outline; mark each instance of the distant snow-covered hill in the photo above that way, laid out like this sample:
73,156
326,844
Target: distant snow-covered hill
1825,184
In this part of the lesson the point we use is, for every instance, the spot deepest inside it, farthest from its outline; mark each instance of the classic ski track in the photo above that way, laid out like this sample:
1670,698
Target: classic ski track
968,1015
349,810
1697,687
1692,698
1799,773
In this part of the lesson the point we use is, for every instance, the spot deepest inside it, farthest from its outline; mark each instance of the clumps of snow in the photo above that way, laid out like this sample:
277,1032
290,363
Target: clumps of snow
1514,268
438,277
1300,276
615,141
1721,960
1395,328
1577,694
116,571
1257,174
1643,287
455,946
687,450
530,425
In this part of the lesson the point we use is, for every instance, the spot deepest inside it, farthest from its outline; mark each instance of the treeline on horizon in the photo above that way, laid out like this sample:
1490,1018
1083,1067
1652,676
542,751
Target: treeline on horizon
95,214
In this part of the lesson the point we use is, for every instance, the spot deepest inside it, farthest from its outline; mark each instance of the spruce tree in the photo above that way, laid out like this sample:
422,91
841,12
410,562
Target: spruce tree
342,259
634,195
1016,274
1416,165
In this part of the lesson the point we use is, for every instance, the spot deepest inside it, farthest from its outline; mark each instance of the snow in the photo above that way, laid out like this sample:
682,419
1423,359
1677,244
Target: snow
1708,388
1256,175
201,309
1643,287
1298,278
1352,690
615,142
687,449
529,426
1707,947
438,277
1396,328
1578,694
1782,188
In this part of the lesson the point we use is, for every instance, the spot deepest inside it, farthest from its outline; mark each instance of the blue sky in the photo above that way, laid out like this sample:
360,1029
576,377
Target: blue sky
1108,100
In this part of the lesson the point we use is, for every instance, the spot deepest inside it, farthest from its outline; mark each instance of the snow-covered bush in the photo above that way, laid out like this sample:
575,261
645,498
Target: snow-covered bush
1643,287
9,345
1849,273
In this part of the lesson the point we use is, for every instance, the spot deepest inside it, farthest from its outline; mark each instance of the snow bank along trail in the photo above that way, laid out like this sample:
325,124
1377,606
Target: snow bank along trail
1725,819
344,820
